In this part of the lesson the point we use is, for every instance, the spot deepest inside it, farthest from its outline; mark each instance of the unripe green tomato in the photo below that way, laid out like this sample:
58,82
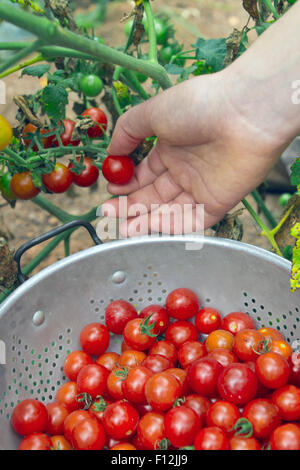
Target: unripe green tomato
288,252
5,187
165,55
161,31
91,85
284,199
141,77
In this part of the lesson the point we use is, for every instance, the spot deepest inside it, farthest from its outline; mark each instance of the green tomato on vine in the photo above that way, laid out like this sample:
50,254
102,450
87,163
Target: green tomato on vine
5,188
90,85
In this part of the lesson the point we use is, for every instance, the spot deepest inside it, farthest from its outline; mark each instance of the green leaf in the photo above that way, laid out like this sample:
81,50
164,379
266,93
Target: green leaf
262,28
295,277
36,70
295,175
174,69
54,100
213,51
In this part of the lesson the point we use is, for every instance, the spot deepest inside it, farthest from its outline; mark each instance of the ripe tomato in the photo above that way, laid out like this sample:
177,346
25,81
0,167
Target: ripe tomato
67,395
120,420
29,416
159,316
244,443
162,390
181,425
32,129
181,376
59,180
164,348
74,362
66,136
219,339
246,343
6,133
115,382
199,404
272,333
72,420
118,169
91,85
88,434
207,320
237,321
22,186
138,334
286,437
117,314
203,376
263,415
94,339
123,446
109,360
99,117
237,383
60,443
131,358
223,356
36,441
262,391
211,438
57,413
92,380
133,386
151,430
182,304
222,414
282,348
190,351
272,370
287,399
157,363
88,176
181,331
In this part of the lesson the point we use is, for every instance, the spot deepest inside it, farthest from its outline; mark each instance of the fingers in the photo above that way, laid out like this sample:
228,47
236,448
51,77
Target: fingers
131,128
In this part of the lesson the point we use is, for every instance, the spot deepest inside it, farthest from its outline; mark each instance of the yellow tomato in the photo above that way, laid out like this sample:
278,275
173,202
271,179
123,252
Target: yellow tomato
6,133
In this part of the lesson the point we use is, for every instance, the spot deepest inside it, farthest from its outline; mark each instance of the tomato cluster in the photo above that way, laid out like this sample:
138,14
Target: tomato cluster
237,388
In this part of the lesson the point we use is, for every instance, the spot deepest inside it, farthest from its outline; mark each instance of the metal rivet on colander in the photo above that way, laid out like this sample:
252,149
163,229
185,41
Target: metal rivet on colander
118,277
38,318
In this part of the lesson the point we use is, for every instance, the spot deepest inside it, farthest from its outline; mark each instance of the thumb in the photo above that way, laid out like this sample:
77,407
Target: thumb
131,128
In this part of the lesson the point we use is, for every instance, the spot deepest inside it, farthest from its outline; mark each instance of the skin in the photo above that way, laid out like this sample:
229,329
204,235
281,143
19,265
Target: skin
206,128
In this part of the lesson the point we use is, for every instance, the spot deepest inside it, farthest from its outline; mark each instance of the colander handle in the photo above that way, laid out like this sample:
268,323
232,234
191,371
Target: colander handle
52,233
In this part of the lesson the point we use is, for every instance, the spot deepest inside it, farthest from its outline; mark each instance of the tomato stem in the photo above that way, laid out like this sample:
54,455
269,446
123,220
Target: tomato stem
243,427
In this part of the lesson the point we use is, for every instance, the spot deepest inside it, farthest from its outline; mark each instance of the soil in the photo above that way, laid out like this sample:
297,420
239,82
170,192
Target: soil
208,19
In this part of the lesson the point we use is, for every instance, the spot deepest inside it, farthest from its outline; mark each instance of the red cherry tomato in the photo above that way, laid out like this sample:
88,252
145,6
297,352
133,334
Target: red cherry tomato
207,320
164,348
117,314
59,180
109,360
237,321
94,339
67,395
138,334
222,414
272,370
99,117
157,363
286,437
237,383
223,356
115,383
57,413
268,332
66,136
181,331
151,430
246,344
72,420
32,129
162,390
120,420
123,446
134,384
199,404
190,351
29,416
131,358
92,380
181,425
159,316
74,362
263,415
182,304
287,399
211,438
36,441
22,186
219,339
244,443
203,376
118,169
181,376
60,443
88,434
88,176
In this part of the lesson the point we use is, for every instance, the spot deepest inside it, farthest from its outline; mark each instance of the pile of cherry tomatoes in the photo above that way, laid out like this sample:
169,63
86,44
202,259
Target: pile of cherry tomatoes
185,378
116,169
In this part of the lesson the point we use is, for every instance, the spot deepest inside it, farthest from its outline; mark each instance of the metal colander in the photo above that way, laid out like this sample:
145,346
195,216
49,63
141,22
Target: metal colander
41,321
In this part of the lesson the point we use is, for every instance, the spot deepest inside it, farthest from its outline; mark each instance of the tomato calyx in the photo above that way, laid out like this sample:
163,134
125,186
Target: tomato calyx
263,346
86,399
122,372
99,404
146,328
178,402
243,428
162,444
